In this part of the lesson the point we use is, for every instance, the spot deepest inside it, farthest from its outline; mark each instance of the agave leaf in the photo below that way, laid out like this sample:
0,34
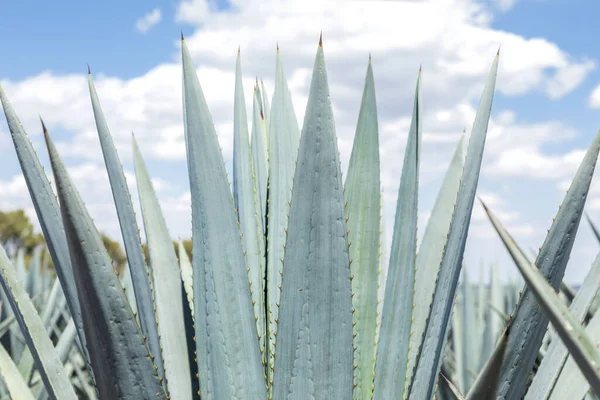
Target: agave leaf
458,345
454,391
470,333
577,341
48,214
6,324
259,155
484,387
594,229
434,340
314,348
229,363
571,383
556,356
246,203
530,322
394,336
120,359
127,284
16,386
65,342
266,112
362,191
129,230
167,289
186,276
283,150
40,345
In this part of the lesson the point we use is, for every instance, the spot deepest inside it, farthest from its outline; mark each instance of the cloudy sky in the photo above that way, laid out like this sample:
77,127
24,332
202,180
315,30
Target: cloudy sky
544,116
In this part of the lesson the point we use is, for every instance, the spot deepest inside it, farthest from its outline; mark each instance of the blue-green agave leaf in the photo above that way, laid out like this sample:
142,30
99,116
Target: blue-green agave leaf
530,323
454,391
129,230
119,356
229,363
246,200
185,266
556,356
167,288
36,337
260,156
434,340
283,150
266,111
394,336
314,347
362,191
48,214
15,384
432,248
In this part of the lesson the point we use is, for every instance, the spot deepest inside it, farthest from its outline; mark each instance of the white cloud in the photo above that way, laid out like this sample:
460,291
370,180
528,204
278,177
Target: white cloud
594,99
453,40
149,19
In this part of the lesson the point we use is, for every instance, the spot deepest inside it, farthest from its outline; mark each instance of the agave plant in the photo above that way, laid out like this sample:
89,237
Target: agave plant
282,297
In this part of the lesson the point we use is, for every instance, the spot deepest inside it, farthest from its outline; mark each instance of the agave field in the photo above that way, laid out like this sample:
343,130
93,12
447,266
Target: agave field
287,295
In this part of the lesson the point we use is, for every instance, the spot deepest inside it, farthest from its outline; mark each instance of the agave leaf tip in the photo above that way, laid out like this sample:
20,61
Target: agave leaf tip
321,39
89,71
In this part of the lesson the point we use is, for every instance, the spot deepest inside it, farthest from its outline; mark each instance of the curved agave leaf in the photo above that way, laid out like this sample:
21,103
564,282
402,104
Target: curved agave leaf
129,230
120,359
432,246
283,150
530,322
229,363
48,214
556,356
167,288
40,345
16,386
434,340
246,203
394,336
362,192
314,347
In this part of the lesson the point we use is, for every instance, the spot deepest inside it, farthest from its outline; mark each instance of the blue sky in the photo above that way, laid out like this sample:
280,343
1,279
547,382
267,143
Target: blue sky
543,116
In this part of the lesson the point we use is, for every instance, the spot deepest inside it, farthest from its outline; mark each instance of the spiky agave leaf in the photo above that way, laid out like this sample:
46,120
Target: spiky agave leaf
119,356
167,288
227,348
48,214
246,199
283,149
396,317
530,322
362,192
260,156
185,266
129,231
314,347
40,345
434,340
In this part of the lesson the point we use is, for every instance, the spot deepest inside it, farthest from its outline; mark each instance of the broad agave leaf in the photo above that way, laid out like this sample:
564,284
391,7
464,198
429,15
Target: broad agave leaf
556,356
530,323
129,230
16,386
283,149
362,191
430,354
229,363
119,356
246,203
167,289
394,336
48,214
314,347
40,345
